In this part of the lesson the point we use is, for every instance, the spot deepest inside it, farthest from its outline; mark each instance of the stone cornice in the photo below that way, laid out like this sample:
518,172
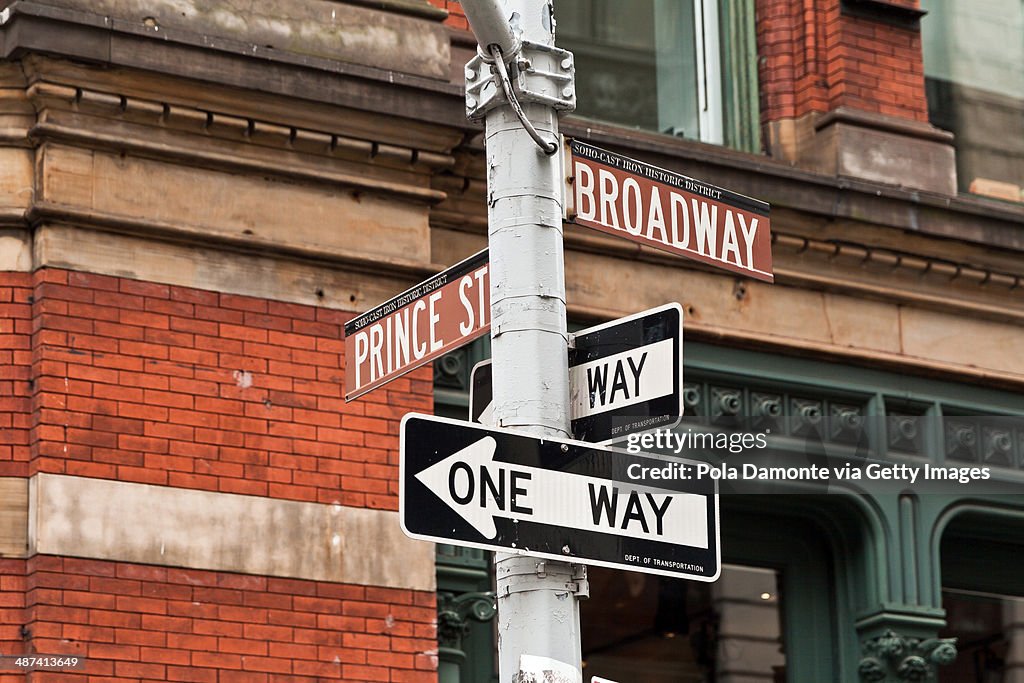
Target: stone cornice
12,217
209,121
947,271
890,124
842,266
92,139
179,124
33,27
966,219
872,273
995,284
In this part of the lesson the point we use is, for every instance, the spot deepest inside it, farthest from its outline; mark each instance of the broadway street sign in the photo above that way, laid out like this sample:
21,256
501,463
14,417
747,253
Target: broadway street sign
417,326
566,500
625,376
668,211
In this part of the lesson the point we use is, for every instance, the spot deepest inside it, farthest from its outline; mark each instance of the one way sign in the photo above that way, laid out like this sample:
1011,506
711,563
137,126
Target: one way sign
625,376
500,490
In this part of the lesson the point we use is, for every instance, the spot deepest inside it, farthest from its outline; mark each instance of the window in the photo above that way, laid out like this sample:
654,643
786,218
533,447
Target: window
982,595
974,74
680,67
990,632
664,630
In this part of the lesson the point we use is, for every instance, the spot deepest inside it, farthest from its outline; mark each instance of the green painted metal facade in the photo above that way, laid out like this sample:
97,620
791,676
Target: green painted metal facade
862,576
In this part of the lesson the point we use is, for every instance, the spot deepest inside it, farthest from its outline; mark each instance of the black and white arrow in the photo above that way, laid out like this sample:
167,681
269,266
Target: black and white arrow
481,489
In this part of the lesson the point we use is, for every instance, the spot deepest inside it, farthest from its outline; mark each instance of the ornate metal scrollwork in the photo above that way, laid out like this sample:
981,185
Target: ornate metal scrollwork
891,656
998,446
806,416
905,433
451,371
456,612
766,410
846,423
961,440
691,398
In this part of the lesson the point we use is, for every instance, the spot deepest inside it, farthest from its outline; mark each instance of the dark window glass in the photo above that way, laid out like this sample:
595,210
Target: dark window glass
641,627
990,637
680,67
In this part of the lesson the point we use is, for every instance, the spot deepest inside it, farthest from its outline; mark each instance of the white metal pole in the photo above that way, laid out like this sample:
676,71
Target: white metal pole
538,610
537,614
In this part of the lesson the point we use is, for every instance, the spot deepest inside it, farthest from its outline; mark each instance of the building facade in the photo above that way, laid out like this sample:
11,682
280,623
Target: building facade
195,196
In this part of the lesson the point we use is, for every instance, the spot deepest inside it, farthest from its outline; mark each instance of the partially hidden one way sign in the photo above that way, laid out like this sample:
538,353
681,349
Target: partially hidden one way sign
625,376
417,326
668,211
501,490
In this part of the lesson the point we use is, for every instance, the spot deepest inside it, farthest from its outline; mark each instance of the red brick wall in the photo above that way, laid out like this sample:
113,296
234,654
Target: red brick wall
15,372
150,383
789,39
12,612
456,17
817,59
144,623
877,68
135,381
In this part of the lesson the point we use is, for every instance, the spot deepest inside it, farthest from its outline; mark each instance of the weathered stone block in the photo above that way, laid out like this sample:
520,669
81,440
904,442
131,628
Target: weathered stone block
869,147
318,28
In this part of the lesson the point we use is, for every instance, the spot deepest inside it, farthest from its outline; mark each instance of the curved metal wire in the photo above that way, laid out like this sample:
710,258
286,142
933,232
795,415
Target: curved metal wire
549,148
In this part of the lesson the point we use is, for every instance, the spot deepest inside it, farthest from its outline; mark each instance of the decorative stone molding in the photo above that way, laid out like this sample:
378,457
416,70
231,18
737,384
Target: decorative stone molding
916,279
925,269
90,128
224,126
889,259
892,657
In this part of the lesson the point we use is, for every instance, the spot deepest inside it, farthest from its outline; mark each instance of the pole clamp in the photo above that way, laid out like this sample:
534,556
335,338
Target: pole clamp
539,73
529,574
580,584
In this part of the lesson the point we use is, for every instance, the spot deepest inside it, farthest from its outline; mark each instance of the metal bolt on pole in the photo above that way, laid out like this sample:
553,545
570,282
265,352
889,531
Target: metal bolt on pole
538,608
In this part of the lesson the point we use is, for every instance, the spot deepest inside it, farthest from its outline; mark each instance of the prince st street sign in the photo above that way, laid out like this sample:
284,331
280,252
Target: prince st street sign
419,325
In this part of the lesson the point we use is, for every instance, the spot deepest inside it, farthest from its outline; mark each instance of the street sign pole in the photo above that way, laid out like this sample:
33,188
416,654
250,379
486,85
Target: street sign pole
538,610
